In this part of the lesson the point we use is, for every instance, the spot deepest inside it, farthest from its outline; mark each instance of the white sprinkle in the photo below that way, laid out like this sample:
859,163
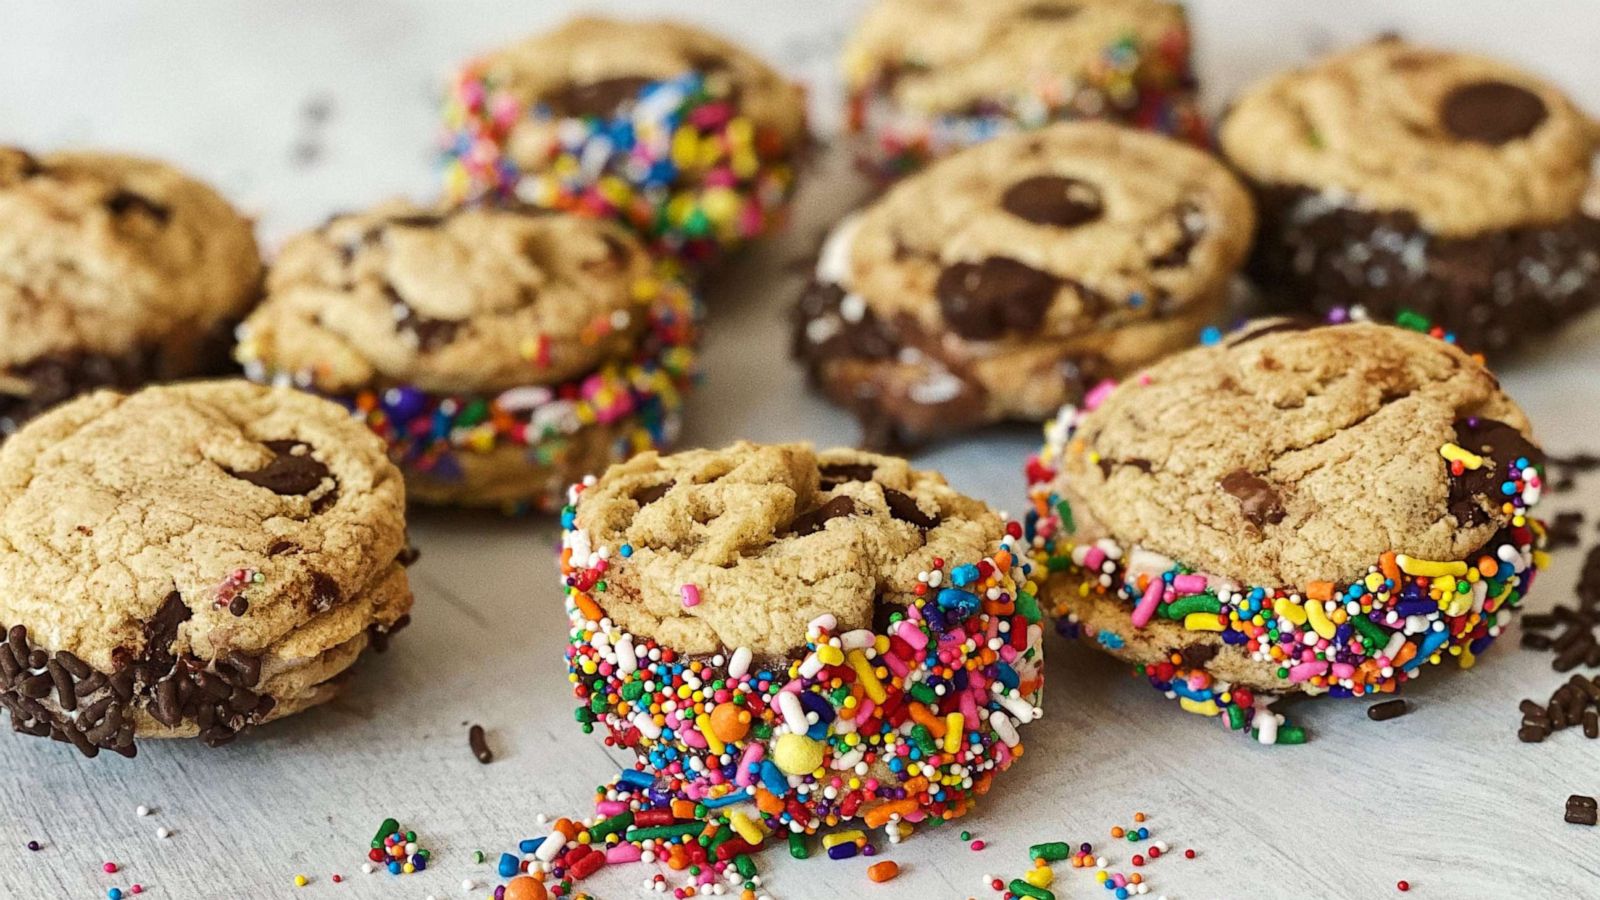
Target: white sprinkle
163,832
143,810
468,885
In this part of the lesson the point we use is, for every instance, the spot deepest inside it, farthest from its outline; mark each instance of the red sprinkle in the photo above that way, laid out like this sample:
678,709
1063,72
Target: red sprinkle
1403,886
1138,860
1188,854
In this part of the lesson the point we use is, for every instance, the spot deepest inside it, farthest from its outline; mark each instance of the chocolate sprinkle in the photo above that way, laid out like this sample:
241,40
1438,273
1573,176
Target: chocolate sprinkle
479,744
1388,709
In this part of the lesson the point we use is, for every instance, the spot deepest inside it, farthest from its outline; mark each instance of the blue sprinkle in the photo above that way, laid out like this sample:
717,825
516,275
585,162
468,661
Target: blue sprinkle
1110,640
1211,336
528,846
963,575
626,550
636,778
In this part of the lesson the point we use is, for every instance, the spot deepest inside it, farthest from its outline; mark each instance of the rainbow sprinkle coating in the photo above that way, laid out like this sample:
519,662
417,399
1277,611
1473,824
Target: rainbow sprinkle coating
679,164
904,726
1345,640
1146,86
427,432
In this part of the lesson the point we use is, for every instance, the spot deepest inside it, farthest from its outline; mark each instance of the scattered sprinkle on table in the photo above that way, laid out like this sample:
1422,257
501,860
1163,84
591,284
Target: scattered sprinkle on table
479,744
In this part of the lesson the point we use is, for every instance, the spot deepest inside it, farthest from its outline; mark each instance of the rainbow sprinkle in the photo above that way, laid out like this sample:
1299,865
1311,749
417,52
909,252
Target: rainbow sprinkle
679,164
1368,636
1149,87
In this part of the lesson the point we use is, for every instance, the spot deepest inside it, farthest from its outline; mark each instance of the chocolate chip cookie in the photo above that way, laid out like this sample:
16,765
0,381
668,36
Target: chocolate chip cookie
114,272
1297,509
1004,281
1425,186
872,634
502,353
687,138
928,77
191,561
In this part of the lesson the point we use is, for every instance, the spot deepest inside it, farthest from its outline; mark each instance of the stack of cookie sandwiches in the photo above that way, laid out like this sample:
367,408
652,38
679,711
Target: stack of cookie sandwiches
1422,185
1296,509
929,77
1008,279
191,561
833,637
502,353
687,138
114,272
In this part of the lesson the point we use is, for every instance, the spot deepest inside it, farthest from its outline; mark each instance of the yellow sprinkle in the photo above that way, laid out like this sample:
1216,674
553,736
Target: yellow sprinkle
830,655
1319,620
1541,559
746,829
952,732
299,881
1039,876
868,678
1288,609
1423,568
713,743
1467,660
1467,458
1207,708
1202,622
831,841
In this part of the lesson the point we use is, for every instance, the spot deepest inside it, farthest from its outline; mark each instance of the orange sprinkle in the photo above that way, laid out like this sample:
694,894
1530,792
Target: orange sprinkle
883,871
1320,590
879,815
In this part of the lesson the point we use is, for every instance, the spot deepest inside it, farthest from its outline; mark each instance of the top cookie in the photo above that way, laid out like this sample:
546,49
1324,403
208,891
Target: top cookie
1467,144
1072,228
113,270
592,65
462,300
1291,454
972,57
770,537
112,503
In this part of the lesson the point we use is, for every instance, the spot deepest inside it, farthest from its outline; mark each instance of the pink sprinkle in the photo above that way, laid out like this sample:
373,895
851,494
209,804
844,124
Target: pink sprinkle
110,867
1098,394
691,595
1307,670
1148,603
139,888
1185,585
978,845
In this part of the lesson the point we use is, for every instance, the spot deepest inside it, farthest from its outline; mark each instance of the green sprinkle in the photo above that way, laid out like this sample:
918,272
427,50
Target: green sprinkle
607,827
1028,607
1235,718
1199,603
1051,851
1064,510
797,846
1023,889
663,832
389,826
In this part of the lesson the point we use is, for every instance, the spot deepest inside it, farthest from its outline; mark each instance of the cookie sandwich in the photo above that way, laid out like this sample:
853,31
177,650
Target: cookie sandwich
501,353
1439,189
817,638
687,138
191,561
929,77
1298,509
118,271
1008,279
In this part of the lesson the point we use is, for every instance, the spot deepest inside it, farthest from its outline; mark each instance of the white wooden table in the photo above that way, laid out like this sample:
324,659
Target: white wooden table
1445,798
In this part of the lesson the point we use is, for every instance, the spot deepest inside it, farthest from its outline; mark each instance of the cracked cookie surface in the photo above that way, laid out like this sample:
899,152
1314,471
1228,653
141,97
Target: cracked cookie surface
772,537
213,554
114,271
1288,454
1007,279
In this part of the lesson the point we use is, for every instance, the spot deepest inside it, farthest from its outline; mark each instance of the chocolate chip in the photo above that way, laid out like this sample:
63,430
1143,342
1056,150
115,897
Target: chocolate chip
1258,500
281,547
902,507
836,474
598,99
479,744
1388,709
291,472
1491,112
431,333
813,521
1053,200
1582,810
161,629
324,592
124,202
1197,655
984,300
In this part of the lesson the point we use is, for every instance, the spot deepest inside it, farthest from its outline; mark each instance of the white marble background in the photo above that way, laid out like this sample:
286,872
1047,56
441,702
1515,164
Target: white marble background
298,109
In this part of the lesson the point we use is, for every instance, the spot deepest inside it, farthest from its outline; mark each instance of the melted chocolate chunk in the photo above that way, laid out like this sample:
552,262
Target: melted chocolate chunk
812,522
1197,655
902,507
324,592
1191,227
1258,500
1473,489
597,99
1491,112
161,629
984,300
1053,200
291,472
125,202
431,333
